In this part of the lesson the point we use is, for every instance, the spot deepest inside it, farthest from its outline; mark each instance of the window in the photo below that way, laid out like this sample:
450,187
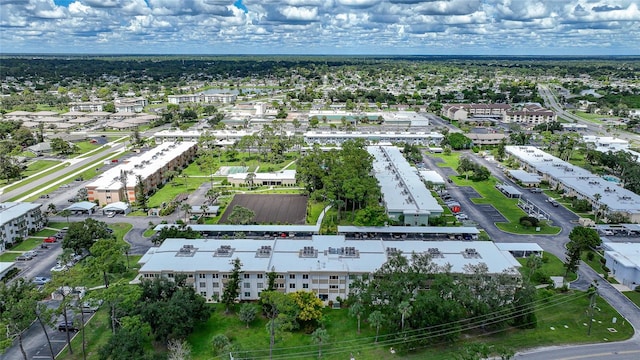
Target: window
215,284
292,286
170,275
280,276
333,286
247,285
202,276
281,285
333,277
224,276
305,286
260,285
215,276
247,294
203,284
292,276
305,276
247,276
203,293
259,276
352,277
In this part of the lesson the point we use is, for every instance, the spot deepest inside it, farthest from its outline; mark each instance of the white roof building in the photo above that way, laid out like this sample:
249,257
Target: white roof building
17,219
325,264
578,182
338,137
404,194
623,259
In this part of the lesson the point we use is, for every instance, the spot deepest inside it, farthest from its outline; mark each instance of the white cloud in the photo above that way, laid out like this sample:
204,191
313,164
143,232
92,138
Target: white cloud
321,25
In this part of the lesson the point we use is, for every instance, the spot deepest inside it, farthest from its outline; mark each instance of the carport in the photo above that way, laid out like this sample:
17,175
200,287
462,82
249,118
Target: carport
83,207
119,207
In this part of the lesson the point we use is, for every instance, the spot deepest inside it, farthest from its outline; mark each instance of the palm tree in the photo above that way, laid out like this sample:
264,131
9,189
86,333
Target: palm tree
52,208
597,198
356,310
405,311
376,319
320,336
65,213
186,208
249,179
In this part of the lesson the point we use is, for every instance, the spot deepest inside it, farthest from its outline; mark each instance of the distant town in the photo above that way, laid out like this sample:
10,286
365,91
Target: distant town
334,207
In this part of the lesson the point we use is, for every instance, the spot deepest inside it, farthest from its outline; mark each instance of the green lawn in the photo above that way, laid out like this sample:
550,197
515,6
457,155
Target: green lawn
28,244
633,296
252,161
45,233
85,147
551,266
176,186
34,178
38,166
564,312
314,209
58,225
9,257
594,118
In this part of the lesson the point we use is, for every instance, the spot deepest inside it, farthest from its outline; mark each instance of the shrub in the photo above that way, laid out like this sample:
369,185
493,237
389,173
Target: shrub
590,256
529,221
541,278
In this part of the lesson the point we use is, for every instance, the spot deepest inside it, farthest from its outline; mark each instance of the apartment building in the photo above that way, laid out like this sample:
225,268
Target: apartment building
405,197
278,178
466,111
18,220
154,167
326,265
387,137
130,105
225,98
530,115
87,106
578,182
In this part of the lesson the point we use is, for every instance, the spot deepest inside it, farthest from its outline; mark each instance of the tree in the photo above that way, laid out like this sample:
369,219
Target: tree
9,169
247,313
356,310
109,107
82,235
187,209
128,341
178,350
573,258
61,146
107,256
65,213
124,176
232,287
141,194
405,310
17,310
171,308
320,336
241,215
585,238
376,319
458,141
281,312
249,179
309,306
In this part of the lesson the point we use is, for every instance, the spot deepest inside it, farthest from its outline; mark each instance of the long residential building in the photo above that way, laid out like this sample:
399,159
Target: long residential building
529,114
18,220
326,265
154,168
224,98
130,105
387,137
575,181
405,197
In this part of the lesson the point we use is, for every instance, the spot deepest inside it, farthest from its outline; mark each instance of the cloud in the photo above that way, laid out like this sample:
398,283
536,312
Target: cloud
303,26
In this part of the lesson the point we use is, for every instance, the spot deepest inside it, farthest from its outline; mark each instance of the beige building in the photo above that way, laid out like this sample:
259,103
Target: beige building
154,167
279,178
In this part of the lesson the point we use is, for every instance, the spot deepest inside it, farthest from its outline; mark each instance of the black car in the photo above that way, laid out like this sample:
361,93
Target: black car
66,326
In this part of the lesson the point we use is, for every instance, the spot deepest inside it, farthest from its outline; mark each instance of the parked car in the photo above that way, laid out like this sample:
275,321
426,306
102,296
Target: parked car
462,217
50,239
535,190
23,257
91,307
66,326
31,253
40,280
58,268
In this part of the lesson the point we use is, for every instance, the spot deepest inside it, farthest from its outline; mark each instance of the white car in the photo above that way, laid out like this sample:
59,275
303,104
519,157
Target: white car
58,268
40,280
462,217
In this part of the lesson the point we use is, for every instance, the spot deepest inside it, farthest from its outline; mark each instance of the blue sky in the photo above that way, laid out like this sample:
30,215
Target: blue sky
385,27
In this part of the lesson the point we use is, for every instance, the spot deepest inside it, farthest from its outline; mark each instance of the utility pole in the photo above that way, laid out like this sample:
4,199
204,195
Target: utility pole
593,292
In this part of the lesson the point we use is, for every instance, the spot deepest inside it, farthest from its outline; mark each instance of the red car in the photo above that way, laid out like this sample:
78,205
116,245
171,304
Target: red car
50,239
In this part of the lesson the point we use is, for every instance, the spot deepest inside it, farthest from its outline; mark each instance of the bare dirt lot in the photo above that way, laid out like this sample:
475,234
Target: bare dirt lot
271,209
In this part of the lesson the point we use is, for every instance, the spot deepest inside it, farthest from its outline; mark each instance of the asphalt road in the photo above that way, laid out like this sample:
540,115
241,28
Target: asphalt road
77,165
551,101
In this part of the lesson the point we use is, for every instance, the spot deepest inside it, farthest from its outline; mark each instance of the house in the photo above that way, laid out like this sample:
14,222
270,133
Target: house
623,259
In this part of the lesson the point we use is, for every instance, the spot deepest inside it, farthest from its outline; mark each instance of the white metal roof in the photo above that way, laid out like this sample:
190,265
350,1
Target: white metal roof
144,165
628,254
285,255
401,187
12,210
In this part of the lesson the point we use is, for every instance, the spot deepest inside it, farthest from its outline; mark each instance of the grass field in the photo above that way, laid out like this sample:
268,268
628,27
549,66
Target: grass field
314,209
561,320
8,257
28,244
176,186
551,266
45,232
34,178
594,118
633,296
